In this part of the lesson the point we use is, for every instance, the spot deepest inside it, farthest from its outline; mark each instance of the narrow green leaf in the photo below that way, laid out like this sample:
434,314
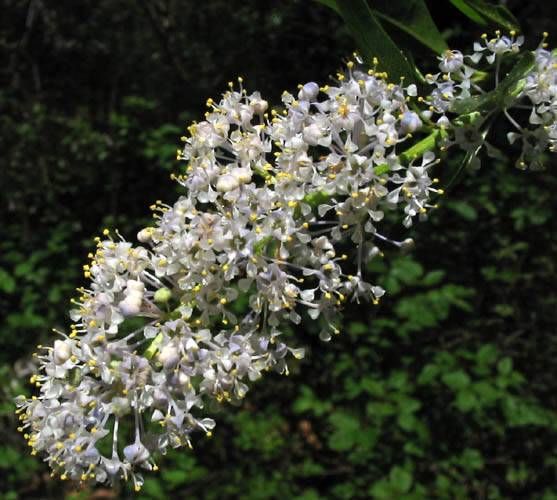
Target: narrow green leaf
373,41
332,4
469,12
412,17
485,13
496,14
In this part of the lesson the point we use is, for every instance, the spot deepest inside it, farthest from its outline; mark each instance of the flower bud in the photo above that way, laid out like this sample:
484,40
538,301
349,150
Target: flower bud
135,287
162,295
407,245
144,236
312,133
259,106
227,183
308,92
242,174
62,352
169,356
136,453
130,306
410,122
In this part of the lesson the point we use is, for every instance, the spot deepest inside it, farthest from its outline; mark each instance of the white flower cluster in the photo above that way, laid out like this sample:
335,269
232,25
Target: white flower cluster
459,81
278,207
280,212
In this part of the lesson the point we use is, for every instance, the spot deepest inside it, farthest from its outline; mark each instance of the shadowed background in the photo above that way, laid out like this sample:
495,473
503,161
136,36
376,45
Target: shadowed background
446,390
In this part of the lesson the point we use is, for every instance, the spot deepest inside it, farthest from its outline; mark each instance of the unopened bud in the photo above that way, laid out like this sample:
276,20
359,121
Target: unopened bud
410,122
407,245
308,92
62,352
169,356
144,235
227,183
162,295
259,106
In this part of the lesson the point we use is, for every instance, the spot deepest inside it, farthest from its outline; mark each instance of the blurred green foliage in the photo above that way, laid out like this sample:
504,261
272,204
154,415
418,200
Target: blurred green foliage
445,390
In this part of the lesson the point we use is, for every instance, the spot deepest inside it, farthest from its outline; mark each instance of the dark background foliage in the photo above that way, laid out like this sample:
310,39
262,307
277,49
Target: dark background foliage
446,390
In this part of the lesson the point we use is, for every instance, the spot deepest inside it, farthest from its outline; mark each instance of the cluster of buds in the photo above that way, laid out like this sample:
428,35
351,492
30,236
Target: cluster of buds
281,212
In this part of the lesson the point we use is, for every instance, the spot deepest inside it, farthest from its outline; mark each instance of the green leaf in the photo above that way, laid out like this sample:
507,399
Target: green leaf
466,400
7,283
346,431
401,479
456,380
472,459
469,12
505,366
433,278
487,354
465,210
332,4
485,13
412,17
407,422
372,39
